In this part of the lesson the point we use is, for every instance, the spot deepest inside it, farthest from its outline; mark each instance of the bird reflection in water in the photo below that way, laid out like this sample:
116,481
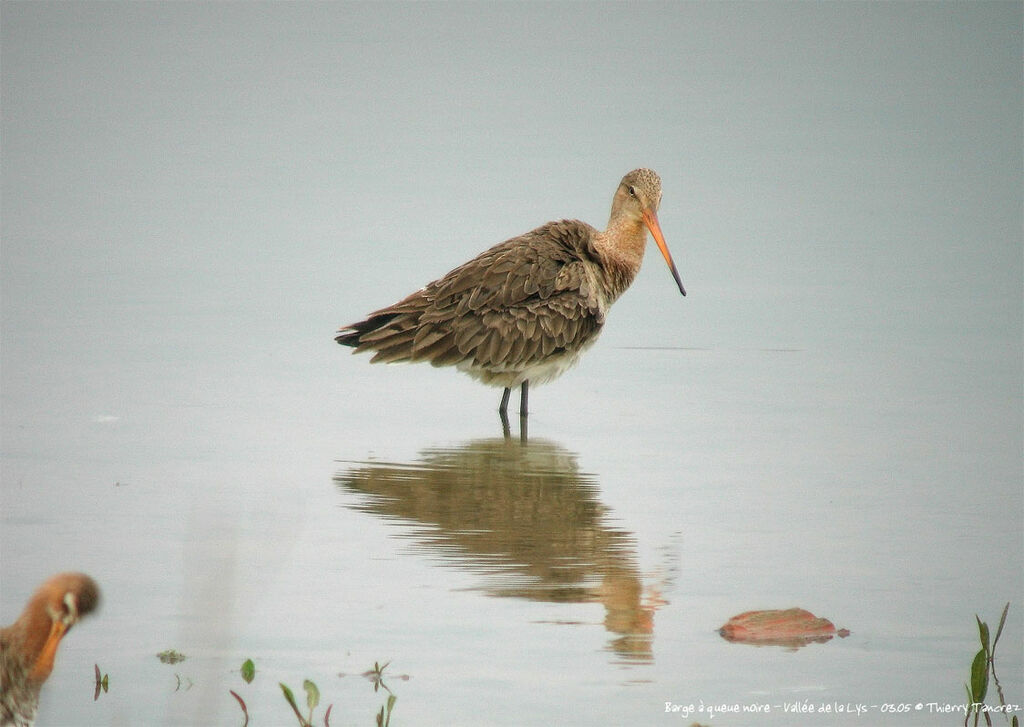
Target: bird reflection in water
522,516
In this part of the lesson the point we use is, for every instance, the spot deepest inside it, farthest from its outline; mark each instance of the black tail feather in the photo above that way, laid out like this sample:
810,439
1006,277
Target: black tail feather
351,335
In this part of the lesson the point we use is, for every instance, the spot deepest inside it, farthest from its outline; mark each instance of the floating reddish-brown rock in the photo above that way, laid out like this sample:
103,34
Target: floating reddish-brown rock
793,627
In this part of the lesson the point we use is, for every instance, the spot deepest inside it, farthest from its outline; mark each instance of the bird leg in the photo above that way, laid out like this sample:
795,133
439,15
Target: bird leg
524,396
503,413
523,411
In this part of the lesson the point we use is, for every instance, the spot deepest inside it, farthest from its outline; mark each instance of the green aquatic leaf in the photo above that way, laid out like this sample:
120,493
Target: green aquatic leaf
384,717
999,629
982,633
312,695
979,676
290,698
248,671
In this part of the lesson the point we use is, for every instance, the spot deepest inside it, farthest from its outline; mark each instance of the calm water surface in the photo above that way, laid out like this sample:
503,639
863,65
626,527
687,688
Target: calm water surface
317,515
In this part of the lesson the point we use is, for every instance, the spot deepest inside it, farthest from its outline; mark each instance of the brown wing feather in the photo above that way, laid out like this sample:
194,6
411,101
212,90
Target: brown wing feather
509,307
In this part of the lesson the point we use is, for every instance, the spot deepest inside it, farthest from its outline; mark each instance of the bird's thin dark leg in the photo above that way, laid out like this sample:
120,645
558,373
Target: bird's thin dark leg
523,411
503,413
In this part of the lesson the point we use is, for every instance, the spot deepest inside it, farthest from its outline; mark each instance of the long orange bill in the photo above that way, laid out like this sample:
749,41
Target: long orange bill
651,220
44,663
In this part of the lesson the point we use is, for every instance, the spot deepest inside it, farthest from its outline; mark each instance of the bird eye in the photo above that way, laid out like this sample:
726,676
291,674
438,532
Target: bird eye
632,191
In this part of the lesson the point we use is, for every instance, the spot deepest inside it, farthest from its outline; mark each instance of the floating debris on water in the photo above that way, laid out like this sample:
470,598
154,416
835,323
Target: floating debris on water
792,627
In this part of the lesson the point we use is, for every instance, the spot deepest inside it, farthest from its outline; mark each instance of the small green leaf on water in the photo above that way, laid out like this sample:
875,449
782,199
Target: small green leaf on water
248,671
979,676
384,718
1002,622
289,696
983,633
312,694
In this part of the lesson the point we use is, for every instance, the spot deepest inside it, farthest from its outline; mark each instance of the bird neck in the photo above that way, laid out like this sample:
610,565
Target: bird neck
35,637
622,248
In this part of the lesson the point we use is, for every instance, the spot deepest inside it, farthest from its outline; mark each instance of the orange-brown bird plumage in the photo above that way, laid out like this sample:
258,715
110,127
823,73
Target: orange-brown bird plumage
29,645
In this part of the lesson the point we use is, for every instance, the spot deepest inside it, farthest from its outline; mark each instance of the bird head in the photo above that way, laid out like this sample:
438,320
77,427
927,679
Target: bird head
56,606
639,196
